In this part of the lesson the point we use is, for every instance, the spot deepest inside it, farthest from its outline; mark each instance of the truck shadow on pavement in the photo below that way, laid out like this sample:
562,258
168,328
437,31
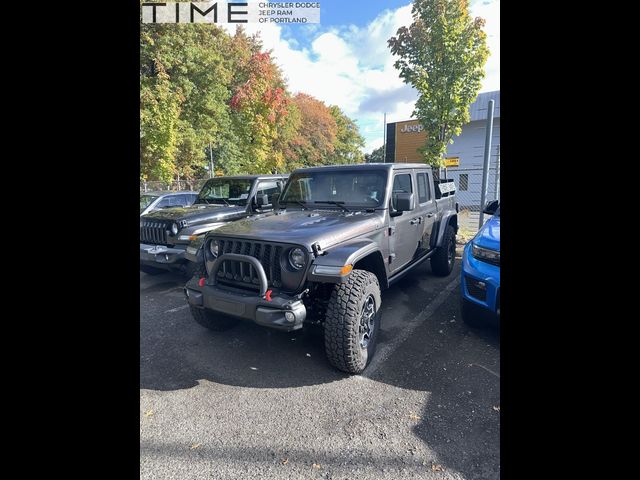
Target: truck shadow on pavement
457,368
177,353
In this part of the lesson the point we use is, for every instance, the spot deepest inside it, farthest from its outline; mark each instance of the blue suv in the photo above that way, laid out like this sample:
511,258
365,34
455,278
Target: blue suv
481,272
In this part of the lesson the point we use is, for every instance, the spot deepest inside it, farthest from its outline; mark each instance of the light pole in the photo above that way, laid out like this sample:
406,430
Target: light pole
210,161
384,146
487,157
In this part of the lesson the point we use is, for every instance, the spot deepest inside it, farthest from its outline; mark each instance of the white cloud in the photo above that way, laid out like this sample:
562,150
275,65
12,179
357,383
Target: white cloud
352,67
490,11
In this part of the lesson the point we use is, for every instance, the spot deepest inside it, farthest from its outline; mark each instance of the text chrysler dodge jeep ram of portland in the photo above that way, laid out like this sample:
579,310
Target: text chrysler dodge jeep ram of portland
340,235
165,234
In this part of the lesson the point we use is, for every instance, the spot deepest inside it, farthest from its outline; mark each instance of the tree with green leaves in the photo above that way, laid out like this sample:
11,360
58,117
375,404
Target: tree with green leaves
184,78
349,143
376,156
442,54
159,118
200,86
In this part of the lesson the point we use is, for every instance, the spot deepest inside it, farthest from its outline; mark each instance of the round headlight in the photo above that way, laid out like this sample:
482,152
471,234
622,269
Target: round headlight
297,258
213,247
174,229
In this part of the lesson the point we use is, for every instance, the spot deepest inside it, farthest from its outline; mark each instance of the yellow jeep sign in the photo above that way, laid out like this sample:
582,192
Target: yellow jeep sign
452,162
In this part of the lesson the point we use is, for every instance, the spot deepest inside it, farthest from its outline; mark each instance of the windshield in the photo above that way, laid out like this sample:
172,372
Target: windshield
225,191
346,188
145,200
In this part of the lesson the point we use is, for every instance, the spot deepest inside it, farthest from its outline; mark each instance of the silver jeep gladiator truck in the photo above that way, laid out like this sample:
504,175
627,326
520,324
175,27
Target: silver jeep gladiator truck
339,236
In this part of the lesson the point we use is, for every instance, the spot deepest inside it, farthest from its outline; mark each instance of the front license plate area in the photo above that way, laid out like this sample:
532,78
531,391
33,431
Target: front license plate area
230,308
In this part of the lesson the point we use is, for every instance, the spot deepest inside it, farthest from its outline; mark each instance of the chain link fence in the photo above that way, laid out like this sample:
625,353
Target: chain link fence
468,183
175,186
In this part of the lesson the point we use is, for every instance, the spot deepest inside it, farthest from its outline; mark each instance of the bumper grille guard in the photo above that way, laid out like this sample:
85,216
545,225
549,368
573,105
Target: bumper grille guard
255,270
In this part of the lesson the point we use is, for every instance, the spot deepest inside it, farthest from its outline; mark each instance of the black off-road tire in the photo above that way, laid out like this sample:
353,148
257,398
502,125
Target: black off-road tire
149,270
342,328
444,258
213,321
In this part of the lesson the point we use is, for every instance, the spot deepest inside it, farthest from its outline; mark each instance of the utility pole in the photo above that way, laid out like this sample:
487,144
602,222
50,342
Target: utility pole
487,157
210,161
384,135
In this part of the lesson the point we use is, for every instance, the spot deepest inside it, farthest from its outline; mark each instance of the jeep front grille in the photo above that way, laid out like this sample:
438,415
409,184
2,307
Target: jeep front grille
154,232
242,274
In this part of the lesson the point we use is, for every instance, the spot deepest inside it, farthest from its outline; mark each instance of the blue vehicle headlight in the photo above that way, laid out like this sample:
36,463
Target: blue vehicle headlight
485,254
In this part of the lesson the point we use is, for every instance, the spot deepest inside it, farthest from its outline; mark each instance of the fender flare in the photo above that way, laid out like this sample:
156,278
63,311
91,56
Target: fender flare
347,253
441,227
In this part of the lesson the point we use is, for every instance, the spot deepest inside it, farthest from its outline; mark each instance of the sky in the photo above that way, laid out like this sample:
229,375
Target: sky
345,59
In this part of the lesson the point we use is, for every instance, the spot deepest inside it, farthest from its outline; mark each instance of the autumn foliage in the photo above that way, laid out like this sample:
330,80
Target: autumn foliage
201,86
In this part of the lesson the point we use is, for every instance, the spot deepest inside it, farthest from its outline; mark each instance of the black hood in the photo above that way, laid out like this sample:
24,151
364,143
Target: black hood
303,227
197,214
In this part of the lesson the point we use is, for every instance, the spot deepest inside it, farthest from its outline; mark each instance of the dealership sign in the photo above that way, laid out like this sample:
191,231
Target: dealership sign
452,162
412,129
231,12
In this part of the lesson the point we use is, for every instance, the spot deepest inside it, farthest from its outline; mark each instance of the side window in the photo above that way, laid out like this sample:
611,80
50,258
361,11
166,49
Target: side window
464,182
424,192
185,200
401,184
269,188
165,202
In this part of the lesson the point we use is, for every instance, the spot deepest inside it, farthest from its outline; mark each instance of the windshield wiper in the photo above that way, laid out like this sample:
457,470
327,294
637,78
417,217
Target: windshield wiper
332,202
302,204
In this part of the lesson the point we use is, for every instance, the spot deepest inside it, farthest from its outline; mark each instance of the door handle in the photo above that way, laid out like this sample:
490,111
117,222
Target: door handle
415,221
429,215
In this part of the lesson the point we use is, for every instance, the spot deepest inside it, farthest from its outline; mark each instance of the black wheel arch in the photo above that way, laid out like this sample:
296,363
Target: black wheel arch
363,254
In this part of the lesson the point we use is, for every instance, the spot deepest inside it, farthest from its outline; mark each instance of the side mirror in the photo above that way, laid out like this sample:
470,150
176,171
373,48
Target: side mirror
403,202
263,201
275,199
491,207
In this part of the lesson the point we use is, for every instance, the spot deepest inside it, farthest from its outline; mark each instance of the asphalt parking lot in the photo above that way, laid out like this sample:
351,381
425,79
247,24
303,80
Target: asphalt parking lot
256,403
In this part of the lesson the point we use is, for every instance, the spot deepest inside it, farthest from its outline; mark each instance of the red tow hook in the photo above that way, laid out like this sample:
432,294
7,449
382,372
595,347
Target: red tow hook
201,282
267,295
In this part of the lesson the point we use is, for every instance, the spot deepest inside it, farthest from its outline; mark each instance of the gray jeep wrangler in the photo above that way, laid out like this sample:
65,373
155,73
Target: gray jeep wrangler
339,236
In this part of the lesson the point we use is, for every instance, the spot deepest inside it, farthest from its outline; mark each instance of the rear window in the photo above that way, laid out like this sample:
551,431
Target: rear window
424,195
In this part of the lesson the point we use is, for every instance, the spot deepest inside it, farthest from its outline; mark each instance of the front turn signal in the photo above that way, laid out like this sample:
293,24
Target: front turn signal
346,269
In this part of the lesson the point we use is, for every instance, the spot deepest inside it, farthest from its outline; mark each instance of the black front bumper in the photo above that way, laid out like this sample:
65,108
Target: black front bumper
248,306
274,310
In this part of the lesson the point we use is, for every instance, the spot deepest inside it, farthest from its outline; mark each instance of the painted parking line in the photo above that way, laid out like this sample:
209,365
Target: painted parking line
177,309
385,351
178,287
485,368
